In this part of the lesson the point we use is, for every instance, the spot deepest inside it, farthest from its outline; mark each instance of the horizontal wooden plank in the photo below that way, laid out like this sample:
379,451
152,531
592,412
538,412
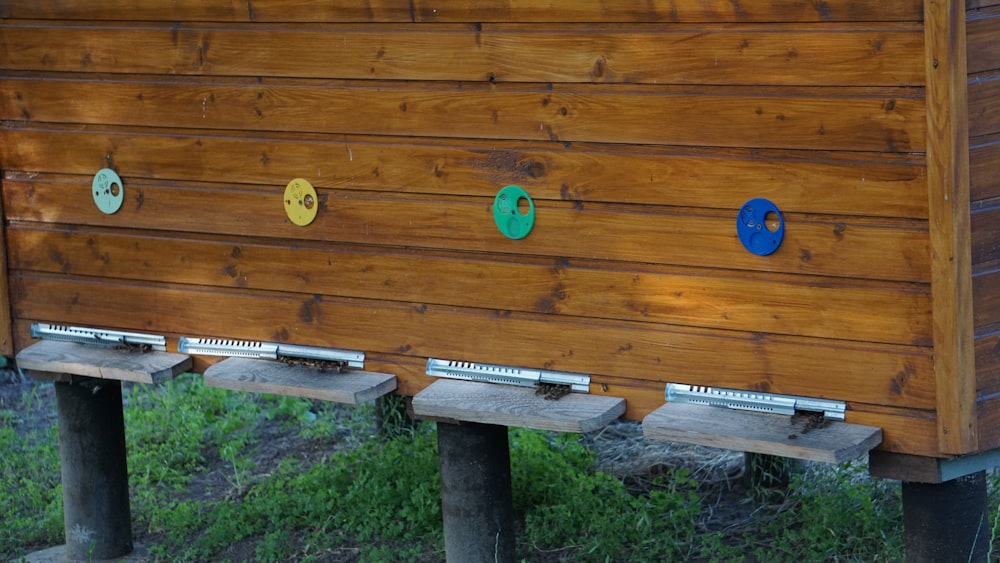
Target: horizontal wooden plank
986,299
885,120
885,54
800,181
984,168
464,11
984,104
831,442
821,307
983,40
508,405
988,363
870,373
985,224
904,430
351,387
103,363
883,249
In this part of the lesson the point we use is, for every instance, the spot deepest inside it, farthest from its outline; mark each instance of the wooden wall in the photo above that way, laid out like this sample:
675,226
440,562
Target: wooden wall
638,128
983,28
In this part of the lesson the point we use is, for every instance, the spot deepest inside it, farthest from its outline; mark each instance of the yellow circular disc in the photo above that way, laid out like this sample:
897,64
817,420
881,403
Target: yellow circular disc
301,202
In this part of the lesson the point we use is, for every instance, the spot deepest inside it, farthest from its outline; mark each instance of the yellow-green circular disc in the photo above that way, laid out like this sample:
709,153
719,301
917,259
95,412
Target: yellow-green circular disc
301,202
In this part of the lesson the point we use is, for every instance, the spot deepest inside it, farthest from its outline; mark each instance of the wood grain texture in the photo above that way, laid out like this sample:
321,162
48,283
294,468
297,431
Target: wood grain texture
984,168
817,245
277,378
464,11
982,44
760,433
904,430
883,54
984,105
100,362
985,233
837,183
948,189
6,322
822,307
888,120
869,373
507,405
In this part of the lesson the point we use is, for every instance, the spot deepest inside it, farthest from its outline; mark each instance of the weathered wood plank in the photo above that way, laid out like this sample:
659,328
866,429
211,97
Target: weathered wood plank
948,190
904,430
464,11
888,120
100,362
6,322
823,307
985,233
984,168
822,245
834,442
800,181
884,54
278,378
869,373
984,105
986,301
983,46
507,405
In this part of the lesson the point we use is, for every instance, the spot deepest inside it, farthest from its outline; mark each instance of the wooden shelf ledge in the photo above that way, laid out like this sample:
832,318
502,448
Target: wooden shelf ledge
58,361
509,405
277,378
763,433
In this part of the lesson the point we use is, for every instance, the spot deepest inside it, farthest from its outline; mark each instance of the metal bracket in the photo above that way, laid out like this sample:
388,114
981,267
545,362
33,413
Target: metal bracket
83,335
268,350
490,373
754,401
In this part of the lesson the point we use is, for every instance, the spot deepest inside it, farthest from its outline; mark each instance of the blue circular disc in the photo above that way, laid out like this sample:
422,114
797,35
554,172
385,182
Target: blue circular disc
754,230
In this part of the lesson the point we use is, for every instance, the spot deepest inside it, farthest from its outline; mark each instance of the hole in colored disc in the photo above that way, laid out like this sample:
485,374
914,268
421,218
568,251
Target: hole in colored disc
772,221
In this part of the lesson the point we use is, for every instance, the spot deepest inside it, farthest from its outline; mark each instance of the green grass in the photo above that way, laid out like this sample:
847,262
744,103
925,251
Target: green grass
381,495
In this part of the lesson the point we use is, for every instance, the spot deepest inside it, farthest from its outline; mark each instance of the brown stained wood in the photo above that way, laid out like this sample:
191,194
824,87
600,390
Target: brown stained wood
833,442
889,120
277,378
984,168
904,430
872,373
464,11
984,105
988,412
988,363
800,181
883,249
986,302
509,405
982,32
6,334
848,310
948,189
985,233
100,362
888,55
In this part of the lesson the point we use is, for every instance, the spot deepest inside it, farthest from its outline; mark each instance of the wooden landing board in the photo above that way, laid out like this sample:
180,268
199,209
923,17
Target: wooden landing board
56,360
508,405
748,431
266,376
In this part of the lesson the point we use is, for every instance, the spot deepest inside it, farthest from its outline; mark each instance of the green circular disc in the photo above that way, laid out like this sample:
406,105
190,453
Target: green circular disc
108,191
508,215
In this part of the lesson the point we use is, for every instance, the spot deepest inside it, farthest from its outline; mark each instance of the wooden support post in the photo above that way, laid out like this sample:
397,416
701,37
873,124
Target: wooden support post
94,472
476,496
947,521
